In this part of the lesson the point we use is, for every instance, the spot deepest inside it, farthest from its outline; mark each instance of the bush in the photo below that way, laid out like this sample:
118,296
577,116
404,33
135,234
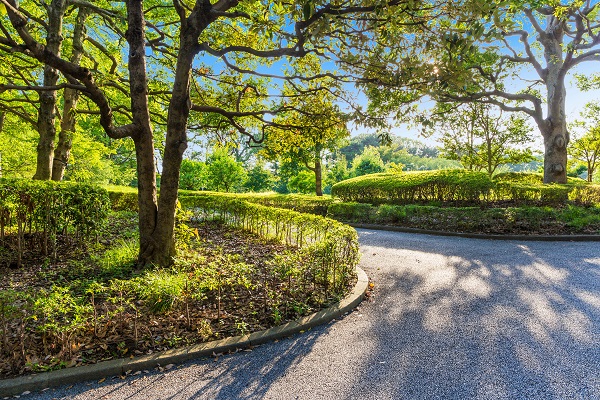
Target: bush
50,209
297,202
527,188
328,250
415,187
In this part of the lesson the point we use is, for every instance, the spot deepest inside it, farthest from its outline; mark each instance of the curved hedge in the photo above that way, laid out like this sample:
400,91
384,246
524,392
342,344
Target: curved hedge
453,185
327,249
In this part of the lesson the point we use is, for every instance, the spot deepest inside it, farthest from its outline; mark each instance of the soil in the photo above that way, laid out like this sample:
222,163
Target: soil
135,329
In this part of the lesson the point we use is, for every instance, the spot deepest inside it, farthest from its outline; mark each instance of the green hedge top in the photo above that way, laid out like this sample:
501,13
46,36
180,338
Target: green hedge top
452,185
533,178
297,202
52,207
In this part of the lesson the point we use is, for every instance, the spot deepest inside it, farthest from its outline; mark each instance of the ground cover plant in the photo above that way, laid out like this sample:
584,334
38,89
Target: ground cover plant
242,267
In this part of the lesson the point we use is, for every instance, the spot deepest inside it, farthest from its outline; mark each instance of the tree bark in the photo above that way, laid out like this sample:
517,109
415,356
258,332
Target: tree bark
47,111
163,238
71,97
142,134
318,177
555,134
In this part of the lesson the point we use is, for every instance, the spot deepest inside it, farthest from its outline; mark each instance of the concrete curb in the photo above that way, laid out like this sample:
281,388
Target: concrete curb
16,386
539,238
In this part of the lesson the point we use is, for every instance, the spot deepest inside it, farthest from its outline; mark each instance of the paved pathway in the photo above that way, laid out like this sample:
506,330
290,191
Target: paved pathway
450,318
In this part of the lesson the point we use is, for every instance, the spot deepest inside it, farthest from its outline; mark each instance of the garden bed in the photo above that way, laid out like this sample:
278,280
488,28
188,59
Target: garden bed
84,304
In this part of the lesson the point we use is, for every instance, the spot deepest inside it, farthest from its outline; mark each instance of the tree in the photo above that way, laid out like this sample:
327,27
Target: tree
192,175
312,126
367,162
483,52
223,172
238,36
482,140
587,147
338,171
259,179
303,182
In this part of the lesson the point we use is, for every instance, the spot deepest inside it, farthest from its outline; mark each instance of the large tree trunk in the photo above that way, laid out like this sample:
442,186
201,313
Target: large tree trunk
555,134
143,139
47,111
163,238
71,96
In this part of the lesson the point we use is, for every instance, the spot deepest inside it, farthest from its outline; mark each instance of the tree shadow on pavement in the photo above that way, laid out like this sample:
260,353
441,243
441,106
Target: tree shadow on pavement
462,318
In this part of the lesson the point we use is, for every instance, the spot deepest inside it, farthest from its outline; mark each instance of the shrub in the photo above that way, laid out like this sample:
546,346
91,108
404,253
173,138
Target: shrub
50,209
527,188
415,187
328,250
297,202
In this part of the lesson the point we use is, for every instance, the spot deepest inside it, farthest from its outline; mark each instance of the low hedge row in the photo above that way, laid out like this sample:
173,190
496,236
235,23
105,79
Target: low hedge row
458,187
415,187
297,202
43,210
327,249
123,199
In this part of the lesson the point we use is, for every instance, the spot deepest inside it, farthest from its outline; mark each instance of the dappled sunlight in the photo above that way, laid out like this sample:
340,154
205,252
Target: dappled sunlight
592,299
506,312
544,273
475,286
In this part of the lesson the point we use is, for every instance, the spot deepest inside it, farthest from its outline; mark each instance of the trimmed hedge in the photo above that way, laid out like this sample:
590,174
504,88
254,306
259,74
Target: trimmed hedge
50,209
529,177
527,188
297,202
125,199
458,187
453,186
327,249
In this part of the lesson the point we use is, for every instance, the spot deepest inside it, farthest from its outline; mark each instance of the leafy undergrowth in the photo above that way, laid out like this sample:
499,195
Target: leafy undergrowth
523,220
81,305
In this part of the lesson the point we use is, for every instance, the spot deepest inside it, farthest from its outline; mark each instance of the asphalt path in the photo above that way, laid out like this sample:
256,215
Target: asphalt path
449,318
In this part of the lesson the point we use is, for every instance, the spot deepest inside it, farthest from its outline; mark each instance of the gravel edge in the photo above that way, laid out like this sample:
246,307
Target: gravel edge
35,382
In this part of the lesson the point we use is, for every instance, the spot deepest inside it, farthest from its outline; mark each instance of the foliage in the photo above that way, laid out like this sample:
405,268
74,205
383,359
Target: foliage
586,147
367,162
193,175
327,248
482,140
303,182
17,147
259,179
415,187
509,220
36,213
223,172
311,126
89,161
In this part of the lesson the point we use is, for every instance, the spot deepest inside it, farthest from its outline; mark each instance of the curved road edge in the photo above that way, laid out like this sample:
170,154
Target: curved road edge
16,386
539,238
